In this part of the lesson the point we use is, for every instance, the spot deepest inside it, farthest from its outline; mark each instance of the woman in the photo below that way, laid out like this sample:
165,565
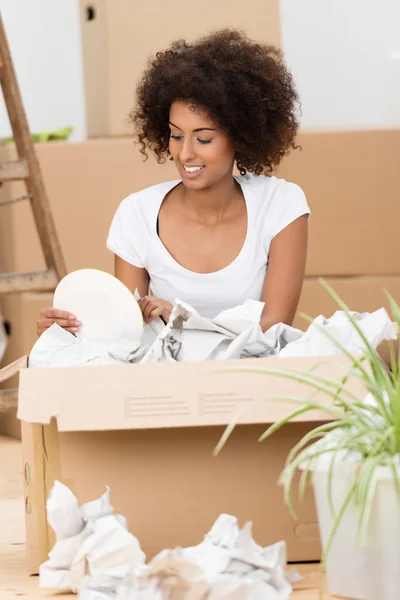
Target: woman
211,238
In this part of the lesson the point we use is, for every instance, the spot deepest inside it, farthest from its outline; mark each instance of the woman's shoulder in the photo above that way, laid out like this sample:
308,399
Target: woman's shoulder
147,199
268,187
135,222
275,201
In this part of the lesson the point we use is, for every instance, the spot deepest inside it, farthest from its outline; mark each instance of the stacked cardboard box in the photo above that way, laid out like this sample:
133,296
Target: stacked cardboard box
351,180
118,36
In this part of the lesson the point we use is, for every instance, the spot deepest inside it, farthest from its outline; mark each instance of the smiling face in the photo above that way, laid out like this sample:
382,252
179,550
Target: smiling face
202,151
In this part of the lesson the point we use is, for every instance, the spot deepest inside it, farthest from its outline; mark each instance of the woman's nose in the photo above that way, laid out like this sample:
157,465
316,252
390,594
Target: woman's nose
187,152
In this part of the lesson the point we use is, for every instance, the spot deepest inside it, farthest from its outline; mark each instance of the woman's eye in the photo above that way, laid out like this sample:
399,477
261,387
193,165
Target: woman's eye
204,141
175,137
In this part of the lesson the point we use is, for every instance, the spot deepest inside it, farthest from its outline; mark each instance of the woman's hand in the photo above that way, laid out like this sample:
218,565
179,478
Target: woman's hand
155,307
49,316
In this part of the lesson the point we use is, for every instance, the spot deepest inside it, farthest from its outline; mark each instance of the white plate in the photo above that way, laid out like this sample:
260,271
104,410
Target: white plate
106,308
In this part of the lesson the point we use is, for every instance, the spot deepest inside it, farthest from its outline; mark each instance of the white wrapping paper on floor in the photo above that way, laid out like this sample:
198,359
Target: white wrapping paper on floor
110,553
96,556
63,512
96,509
231,559
228,564
89,535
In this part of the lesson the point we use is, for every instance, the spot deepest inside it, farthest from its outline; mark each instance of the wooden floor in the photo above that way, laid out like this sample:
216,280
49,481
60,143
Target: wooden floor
13,579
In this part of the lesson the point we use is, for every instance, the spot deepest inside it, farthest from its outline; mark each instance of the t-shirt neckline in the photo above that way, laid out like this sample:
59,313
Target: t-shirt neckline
168,188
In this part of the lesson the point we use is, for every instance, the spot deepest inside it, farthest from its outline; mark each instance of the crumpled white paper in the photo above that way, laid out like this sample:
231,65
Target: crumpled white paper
63,513
87,536
376,327
230,551
109,552
228,564
97,557
233,334
166,577
59,348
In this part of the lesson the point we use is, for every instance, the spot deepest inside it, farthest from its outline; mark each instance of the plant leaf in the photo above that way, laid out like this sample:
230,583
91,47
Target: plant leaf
227,433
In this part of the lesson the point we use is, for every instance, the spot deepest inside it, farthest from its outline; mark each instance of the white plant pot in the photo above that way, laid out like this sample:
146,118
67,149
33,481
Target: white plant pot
367,569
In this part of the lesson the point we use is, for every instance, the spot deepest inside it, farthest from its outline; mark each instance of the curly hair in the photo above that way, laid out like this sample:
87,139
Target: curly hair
244,86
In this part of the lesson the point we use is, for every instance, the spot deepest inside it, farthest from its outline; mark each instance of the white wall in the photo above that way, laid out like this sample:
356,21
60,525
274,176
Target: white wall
344,55
44,38
345,58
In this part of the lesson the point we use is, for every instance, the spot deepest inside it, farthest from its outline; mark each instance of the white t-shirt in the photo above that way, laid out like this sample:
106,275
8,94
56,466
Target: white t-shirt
271,203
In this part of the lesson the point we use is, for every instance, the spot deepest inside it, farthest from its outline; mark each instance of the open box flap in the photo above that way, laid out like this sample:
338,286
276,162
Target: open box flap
151,396
13,368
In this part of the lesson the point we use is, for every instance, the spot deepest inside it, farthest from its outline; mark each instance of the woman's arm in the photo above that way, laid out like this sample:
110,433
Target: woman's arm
285,274
137,278
133,277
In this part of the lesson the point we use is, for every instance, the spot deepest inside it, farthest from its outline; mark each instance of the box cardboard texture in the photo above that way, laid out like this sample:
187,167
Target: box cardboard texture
119,36
20,312
352,230
352,182
149,430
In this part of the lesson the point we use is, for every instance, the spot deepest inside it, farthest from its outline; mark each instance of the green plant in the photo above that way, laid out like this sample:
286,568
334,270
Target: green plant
58,135
370,431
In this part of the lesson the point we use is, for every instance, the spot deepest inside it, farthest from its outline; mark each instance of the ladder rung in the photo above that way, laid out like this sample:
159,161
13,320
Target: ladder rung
8,399
36,281
15,200
13,170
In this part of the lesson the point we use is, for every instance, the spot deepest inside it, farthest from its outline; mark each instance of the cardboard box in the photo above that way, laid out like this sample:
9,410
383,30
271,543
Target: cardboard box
362,294
118,37
353,229
352,182
149,431
20,312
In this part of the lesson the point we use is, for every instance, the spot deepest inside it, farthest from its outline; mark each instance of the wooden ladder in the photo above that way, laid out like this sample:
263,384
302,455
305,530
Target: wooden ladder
26,168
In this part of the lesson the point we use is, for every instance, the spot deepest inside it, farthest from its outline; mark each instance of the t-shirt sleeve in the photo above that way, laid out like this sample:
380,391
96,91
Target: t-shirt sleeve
291,206
125,237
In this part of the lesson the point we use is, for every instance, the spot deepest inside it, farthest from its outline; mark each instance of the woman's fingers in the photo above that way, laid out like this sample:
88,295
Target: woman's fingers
46,323
143,302
55,313
147,305
156,312
49,316
154,307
